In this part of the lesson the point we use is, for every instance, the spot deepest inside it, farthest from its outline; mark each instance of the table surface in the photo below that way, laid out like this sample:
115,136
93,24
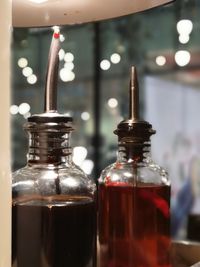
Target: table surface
185,254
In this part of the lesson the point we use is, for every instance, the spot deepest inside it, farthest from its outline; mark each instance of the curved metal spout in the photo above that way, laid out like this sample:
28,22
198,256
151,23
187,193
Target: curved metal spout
50,104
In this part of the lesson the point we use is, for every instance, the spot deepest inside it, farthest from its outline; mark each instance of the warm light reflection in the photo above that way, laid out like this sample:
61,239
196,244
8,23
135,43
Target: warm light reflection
160,60
68,114
79,155
14,109
61,54
115,58
32,79
24,108
27,115
66,75
69,65
62,38
184,39
70,182
27,71
115,177
56,28
85,116
112,103
87,166
22,62
105,64
69,57
23,184
184,26
182,58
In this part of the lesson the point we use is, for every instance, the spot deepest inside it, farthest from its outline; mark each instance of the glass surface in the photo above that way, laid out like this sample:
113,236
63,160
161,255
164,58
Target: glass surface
134,204
53,204
169,92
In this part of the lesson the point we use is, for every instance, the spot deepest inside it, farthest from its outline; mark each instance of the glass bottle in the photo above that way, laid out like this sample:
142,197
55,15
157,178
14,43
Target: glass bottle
53,206
134,199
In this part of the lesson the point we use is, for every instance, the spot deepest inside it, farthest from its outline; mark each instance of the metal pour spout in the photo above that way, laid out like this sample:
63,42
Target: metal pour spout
134,96
134,130
50,104
50,114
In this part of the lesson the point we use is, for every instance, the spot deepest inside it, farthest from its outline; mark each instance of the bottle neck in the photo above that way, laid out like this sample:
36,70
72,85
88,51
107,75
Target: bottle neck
133,151
49,148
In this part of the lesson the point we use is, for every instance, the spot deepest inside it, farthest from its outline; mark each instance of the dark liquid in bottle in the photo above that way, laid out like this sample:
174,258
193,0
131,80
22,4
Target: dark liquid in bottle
58,235
193,227
134,226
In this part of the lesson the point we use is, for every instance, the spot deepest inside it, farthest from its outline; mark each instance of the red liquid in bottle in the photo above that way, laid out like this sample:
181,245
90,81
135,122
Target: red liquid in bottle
134,225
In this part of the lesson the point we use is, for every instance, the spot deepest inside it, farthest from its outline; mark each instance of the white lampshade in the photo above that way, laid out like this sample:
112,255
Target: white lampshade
34,13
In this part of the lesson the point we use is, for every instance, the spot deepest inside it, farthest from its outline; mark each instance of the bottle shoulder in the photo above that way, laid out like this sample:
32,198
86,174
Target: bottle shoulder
52,180
144,172
37,172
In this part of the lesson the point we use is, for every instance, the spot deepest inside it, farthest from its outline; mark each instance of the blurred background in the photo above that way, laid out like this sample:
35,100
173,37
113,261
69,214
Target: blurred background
95,60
